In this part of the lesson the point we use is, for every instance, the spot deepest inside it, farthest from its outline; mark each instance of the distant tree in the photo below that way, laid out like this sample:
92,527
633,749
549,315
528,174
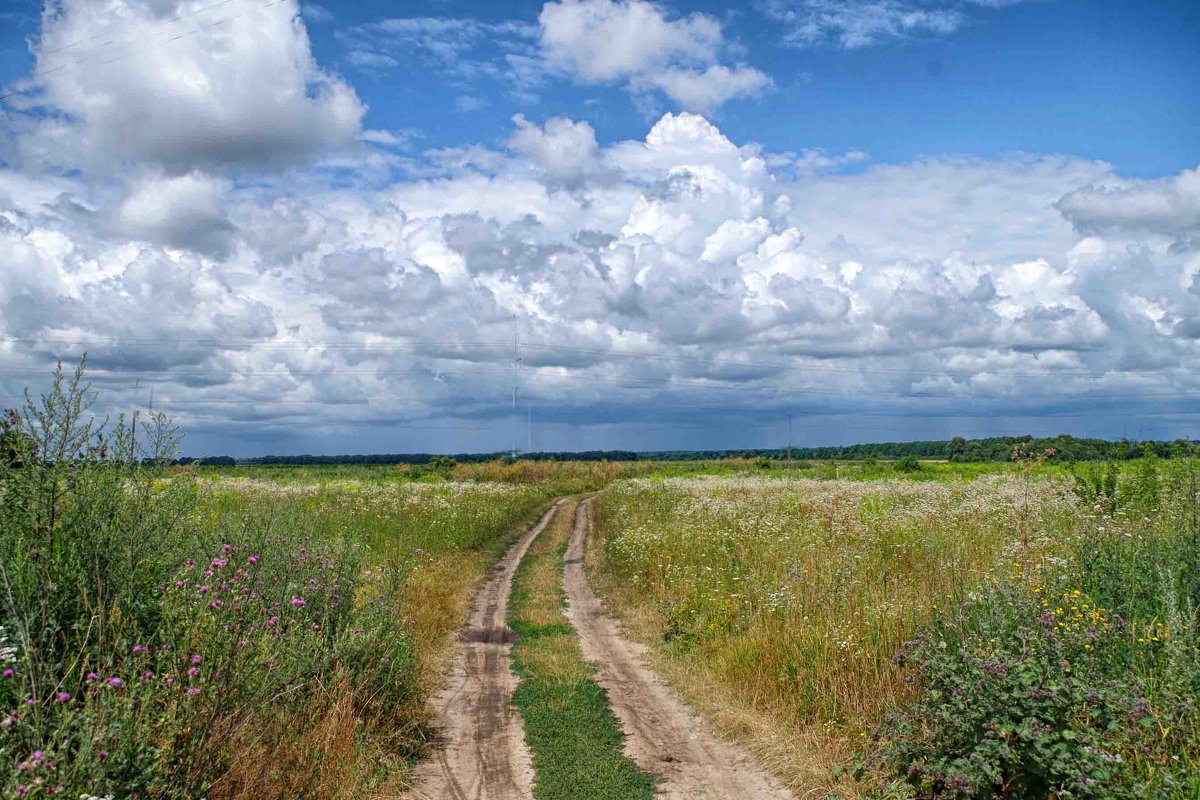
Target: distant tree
956,448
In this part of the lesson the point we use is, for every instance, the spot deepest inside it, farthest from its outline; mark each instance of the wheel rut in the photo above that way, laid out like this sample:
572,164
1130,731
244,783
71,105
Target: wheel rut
480,753
663,736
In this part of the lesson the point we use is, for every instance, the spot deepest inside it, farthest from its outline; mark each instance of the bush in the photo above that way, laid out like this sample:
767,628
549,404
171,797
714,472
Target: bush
1076,679
155,648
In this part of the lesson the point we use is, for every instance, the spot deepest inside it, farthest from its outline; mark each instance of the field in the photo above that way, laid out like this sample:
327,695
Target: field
868,629
1023,634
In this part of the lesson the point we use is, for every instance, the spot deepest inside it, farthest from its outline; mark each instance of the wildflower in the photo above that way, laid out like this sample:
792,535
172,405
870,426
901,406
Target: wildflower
139,648
116,683
103,754
298,602
64,697
215,604
148,675
8,673
204,589
197,658
190,563
91,676
252,560
195,690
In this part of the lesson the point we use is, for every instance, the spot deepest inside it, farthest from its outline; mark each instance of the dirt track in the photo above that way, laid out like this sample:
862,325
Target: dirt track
663,735
481,753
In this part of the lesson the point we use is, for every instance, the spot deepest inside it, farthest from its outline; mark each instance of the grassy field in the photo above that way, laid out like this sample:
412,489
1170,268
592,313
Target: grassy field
886,629
235,634
1021,634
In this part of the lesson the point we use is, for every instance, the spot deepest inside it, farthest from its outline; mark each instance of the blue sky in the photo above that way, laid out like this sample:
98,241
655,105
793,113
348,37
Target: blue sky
1115,81
321,227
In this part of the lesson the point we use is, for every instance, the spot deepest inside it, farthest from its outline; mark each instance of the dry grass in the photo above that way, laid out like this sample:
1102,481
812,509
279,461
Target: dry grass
775,607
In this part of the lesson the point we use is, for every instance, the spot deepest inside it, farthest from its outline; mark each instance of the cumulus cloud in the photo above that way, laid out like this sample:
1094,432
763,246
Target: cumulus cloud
184,211
674,271
1169,206
564,150
167,84
635,42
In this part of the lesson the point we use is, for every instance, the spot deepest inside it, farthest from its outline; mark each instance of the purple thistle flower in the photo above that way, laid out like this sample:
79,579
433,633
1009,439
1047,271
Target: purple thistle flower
195,690
298,602
8,673
116,683
64,697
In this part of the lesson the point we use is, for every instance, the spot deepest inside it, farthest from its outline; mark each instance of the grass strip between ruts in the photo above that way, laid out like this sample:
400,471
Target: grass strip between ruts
573,736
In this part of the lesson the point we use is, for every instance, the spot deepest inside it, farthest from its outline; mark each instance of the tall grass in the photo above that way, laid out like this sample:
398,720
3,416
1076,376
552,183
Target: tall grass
780,606
178,633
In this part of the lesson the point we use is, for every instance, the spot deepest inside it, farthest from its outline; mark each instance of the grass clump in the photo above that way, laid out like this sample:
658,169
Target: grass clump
575,740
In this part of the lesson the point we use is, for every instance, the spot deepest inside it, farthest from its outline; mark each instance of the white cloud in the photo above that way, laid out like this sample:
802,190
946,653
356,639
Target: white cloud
1169,206
636,42
138,85
854,24
564,150
726,276
184,211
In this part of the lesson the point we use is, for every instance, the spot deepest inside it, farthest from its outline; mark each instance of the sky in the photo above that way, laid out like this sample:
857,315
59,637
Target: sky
361,227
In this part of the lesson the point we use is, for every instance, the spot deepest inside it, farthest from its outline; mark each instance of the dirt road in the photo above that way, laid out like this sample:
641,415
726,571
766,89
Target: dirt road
663,735
481,753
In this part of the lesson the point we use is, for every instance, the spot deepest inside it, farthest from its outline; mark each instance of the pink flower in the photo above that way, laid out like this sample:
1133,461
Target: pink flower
193,672
8,673
204,589
197,658
170,680
102,754
215,604
178,584
252,560
64,697
116,683
297,602
225,548
190,563
139,648
272,622
91,676
195,690
148,675
217,563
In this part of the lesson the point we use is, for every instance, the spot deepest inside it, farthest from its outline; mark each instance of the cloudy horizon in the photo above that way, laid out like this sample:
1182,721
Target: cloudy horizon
335,228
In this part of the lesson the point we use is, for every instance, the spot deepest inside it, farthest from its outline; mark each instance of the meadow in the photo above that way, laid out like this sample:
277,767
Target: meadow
1028,632
195,632
885,629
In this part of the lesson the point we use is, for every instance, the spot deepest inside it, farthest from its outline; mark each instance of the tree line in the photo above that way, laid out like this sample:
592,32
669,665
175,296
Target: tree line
958,449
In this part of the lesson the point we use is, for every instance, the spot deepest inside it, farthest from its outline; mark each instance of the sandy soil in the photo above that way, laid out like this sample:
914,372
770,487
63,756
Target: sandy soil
663,735
481,753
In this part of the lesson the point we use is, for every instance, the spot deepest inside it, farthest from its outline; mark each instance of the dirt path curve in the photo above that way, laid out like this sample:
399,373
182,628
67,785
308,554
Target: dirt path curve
663,735
481,753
